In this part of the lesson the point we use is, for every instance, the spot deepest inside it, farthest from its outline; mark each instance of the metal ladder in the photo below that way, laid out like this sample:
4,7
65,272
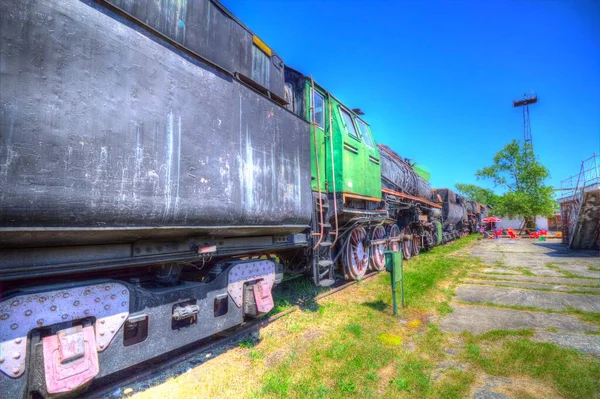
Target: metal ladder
323,270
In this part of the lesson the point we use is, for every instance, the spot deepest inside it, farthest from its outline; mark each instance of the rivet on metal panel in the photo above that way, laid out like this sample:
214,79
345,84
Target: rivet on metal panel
4,316
14,326
65,316
123,303
76,303
18,341
15,303
107,288
40,322
106,307
1,360
16,355
86,312
66,295
87,292
16,370
124,292
53,308
43,299
97,300
102,321
28,312
102,333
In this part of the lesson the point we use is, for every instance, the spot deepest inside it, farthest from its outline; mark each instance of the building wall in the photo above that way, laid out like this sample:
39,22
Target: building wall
541,222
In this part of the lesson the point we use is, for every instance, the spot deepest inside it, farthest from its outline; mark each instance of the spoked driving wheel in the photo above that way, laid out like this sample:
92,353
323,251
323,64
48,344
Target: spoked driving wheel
394,237
378,244
407,243
355,258
416,247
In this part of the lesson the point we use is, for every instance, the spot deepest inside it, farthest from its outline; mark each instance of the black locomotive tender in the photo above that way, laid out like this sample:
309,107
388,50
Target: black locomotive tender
142,199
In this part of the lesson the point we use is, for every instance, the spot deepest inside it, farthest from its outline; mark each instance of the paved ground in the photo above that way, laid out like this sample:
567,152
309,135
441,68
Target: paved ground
529,285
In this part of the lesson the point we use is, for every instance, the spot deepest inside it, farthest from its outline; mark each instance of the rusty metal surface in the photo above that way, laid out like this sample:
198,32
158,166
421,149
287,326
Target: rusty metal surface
108,302
123,134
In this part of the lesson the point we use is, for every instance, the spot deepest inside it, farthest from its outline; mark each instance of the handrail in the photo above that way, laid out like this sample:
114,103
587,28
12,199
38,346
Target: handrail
312,124
333,171
589,173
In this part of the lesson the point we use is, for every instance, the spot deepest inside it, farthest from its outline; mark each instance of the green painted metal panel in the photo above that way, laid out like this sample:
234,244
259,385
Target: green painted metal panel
356,159
438,226
422,171
318,149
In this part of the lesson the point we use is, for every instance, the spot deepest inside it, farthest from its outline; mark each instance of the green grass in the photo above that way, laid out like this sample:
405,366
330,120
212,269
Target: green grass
247,344
525,271
496,335
565,273
444,308
413,376
364,355
455,385
572,374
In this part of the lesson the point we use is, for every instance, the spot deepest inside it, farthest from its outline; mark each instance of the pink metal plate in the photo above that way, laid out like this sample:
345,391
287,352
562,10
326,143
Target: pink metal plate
64,375
263,297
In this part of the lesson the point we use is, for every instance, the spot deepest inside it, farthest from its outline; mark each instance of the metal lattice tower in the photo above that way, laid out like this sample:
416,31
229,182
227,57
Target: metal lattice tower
524,103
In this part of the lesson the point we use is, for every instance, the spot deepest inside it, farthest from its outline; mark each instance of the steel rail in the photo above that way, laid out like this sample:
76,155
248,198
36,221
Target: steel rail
233,335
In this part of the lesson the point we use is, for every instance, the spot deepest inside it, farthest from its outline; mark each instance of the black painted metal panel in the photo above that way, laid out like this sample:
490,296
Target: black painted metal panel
104,127
206,28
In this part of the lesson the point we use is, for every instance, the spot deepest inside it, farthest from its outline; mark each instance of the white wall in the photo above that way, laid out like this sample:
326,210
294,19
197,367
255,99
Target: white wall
540,222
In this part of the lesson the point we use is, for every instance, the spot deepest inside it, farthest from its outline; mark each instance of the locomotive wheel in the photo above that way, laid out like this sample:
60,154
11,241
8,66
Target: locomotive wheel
377,257
416,247
394,233
355,258
407,244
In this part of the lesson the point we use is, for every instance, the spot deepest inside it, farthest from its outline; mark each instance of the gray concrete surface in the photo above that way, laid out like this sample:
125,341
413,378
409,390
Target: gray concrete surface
532,274
582,342
481,319
543,280
509,296
518,284
500,270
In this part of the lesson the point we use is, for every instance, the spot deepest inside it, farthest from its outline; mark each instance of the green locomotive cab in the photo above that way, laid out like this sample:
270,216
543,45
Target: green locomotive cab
345,182
345,158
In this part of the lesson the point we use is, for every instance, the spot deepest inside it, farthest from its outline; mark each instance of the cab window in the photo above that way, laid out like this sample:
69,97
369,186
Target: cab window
364,132
318,113
349,124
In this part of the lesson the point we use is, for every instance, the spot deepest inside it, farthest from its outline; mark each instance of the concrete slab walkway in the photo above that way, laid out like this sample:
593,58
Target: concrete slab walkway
539,280
509,296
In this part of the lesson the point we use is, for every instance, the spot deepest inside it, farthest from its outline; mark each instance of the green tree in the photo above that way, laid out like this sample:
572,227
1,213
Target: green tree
516,169
478,194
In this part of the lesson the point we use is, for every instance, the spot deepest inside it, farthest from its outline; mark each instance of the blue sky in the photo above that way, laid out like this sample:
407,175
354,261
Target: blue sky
436,79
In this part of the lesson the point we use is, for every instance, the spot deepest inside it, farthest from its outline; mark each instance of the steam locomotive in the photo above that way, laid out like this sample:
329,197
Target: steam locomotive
161,169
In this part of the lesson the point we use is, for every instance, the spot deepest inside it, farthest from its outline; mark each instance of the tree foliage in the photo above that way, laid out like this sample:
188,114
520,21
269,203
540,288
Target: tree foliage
475,193
516,169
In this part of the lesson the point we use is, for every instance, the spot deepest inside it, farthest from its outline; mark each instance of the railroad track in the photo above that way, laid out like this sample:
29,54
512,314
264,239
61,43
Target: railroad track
166,361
